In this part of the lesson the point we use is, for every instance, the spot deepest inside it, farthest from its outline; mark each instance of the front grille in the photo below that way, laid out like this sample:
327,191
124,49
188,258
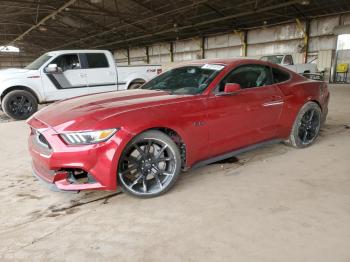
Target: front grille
42,140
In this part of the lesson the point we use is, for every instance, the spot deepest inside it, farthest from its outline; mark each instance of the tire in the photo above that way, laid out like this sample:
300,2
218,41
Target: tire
306,126
135,85
19,104
149,165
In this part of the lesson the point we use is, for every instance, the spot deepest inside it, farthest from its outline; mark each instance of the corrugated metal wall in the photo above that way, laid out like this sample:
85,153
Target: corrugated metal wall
8,60
286,38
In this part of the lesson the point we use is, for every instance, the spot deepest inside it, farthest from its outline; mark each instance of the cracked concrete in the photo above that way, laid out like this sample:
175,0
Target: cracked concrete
274,204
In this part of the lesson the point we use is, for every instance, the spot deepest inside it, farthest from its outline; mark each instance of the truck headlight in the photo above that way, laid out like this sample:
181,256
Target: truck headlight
89,137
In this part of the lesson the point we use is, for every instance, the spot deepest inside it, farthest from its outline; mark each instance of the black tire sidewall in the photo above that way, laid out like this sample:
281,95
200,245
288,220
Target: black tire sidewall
135,86
6,106
152,134
294,139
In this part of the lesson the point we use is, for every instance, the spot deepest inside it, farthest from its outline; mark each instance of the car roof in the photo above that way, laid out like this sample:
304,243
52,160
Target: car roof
235,62
227,61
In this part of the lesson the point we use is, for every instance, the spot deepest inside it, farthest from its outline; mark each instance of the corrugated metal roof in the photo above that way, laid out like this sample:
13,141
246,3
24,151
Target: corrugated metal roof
110,24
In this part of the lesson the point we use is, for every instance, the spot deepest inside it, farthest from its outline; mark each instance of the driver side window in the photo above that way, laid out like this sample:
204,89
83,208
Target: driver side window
67,62
248,76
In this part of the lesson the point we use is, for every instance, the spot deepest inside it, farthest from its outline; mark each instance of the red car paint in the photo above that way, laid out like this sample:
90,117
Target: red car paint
209,125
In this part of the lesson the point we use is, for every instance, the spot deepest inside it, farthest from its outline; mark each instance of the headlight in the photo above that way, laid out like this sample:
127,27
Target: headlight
90,137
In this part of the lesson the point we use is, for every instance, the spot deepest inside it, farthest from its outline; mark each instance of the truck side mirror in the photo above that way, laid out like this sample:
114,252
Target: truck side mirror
52,68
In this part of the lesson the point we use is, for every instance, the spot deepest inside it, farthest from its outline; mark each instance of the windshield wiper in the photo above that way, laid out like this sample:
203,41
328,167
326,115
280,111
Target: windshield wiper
165,90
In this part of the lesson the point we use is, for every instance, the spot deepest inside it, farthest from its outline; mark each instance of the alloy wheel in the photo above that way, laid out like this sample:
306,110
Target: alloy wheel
147,166
309,126
20,105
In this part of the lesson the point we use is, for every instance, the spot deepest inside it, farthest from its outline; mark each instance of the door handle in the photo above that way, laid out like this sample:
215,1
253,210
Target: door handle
83,75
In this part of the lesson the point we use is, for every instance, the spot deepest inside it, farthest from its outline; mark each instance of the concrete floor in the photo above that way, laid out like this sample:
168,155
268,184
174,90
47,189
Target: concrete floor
276,204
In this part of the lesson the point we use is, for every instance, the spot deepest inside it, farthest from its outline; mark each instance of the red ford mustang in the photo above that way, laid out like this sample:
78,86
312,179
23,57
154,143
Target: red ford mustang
189,116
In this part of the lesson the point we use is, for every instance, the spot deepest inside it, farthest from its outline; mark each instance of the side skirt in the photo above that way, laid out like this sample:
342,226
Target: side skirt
235,153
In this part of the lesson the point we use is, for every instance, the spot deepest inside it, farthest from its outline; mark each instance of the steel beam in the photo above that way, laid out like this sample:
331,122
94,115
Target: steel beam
128,55
41,22
141,21
147,55
221,19
172,51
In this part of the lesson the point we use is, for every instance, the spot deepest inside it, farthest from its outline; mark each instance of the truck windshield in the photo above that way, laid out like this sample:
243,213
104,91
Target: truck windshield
37,63
187,80
276,59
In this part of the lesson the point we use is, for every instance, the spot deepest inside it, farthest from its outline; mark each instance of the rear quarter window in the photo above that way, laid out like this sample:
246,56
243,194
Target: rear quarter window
279,75
96,60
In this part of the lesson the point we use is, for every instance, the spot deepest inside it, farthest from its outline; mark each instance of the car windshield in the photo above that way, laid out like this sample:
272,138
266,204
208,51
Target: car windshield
37,63
186,80
276,59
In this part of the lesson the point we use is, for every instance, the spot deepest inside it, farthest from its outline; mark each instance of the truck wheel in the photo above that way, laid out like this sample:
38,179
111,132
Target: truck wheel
135,85
306,126
19,104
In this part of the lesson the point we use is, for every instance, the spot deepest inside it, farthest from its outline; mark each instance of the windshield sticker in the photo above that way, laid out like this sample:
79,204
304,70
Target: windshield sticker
213,67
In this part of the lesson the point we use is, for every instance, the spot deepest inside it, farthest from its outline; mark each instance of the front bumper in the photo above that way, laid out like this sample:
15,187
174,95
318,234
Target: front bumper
56,162
50,186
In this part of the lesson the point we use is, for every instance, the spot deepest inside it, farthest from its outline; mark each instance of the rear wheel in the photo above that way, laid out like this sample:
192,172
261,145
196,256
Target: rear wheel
149,165
307,126
19,104
135,85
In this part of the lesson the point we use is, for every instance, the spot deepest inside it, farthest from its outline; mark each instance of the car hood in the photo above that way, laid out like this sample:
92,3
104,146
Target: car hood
87,112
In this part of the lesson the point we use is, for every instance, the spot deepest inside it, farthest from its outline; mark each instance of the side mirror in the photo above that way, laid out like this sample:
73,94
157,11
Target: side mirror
52,68
232,88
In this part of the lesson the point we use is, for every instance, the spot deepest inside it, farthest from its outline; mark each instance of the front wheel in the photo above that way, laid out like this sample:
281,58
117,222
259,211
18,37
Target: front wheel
306,126
19,104
150,165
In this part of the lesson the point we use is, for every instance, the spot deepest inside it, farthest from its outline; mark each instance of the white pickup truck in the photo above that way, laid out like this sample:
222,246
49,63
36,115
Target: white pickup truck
64,74
287,62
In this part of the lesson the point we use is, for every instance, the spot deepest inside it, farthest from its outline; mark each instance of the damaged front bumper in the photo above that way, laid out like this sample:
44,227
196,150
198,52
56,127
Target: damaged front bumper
66,180
71,168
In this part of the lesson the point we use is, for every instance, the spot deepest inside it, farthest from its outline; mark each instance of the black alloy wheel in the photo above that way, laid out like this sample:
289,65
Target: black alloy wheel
19,104
307,126
149,165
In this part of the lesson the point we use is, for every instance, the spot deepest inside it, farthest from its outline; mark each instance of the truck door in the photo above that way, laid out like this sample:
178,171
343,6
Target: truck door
68,81
100,74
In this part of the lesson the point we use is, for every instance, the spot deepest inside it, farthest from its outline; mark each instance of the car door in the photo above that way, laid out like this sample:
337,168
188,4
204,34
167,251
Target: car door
248,116
68,81
100,74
